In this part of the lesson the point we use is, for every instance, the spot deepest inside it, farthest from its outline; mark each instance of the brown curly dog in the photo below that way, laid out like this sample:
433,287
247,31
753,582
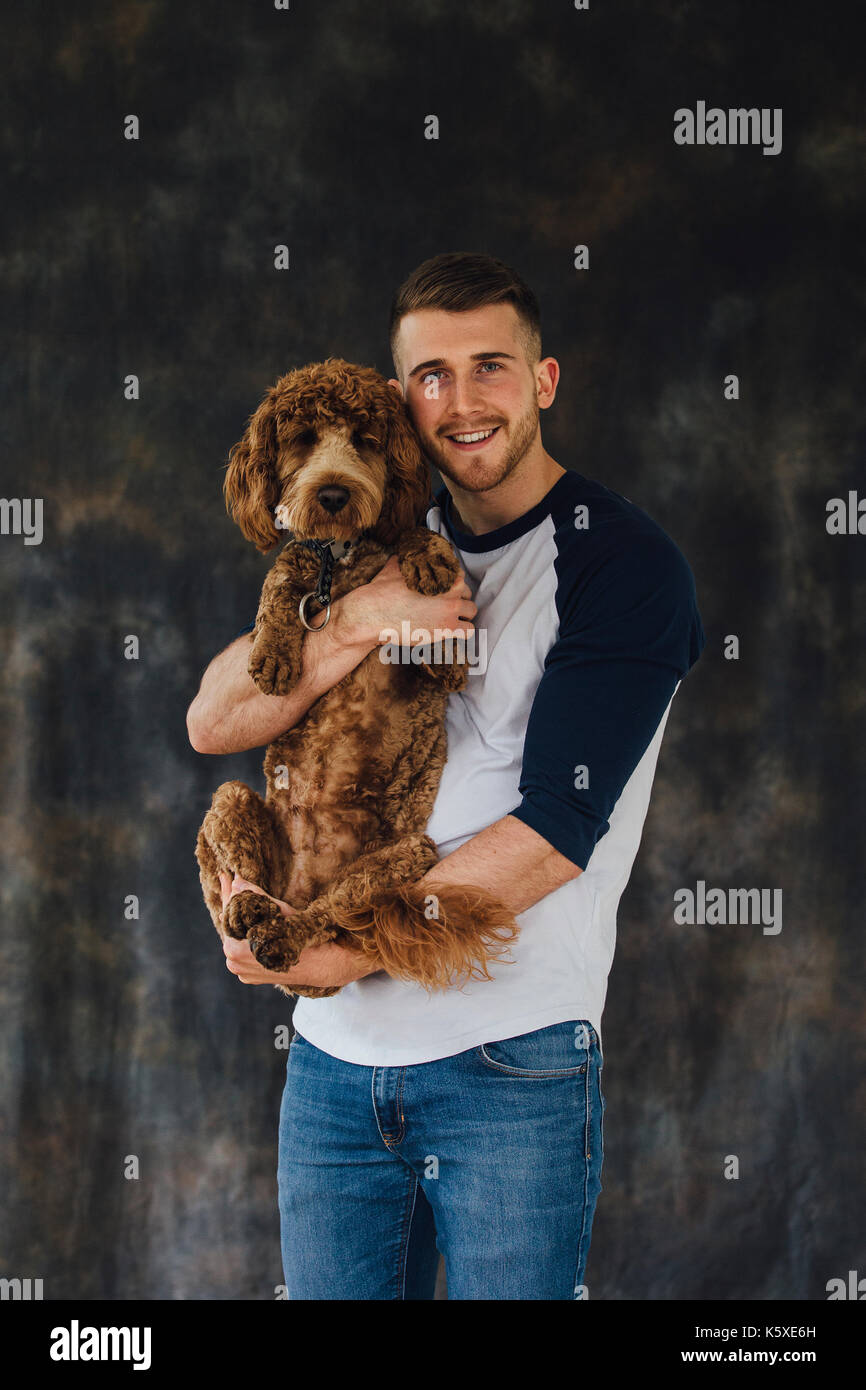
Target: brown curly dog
331,454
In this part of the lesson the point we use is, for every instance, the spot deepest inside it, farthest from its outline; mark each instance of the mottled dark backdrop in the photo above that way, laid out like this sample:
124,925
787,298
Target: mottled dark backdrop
155,257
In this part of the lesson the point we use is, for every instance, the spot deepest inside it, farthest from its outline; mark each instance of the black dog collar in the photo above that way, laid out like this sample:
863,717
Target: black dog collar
329,553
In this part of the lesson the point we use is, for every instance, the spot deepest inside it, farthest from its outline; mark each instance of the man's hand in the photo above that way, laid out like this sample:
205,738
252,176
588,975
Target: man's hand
387,601
322,967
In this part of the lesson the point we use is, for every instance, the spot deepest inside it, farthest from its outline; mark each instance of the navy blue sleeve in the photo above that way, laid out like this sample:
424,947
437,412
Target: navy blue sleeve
242,631
629,631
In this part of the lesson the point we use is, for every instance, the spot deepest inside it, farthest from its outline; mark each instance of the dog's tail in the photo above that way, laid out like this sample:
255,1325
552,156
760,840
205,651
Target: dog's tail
436,939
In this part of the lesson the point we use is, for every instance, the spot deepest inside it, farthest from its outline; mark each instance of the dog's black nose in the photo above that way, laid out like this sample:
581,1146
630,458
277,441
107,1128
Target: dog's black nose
333,497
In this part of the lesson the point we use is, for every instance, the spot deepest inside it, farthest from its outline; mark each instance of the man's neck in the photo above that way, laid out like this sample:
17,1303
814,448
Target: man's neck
476,513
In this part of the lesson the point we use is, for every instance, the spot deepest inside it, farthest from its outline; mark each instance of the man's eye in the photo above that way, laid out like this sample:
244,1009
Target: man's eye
428,375
497,365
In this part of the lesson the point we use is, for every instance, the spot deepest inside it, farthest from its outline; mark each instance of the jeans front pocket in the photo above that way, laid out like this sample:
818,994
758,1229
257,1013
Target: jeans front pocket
562,1049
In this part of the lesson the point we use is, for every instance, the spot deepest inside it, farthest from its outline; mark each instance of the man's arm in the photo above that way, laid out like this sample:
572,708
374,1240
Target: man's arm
229,714
508,859
623,647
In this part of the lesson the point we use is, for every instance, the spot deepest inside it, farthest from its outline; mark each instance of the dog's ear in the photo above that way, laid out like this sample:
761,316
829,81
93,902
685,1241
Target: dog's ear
407,490
250,485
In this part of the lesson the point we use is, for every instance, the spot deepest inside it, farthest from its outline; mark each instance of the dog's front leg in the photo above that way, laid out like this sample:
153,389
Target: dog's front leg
275,657
429,566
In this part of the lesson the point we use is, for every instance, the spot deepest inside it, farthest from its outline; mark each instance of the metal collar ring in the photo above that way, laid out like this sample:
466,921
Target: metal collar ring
303,615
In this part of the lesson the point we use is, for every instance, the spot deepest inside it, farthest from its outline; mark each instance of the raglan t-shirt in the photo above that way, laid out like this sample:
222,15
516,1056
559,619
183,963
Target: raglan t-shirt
587,622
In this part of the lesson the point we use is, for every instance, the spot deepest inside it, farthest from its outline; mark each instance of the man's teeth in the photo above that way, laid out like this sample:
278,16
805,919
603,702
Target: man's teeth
471,438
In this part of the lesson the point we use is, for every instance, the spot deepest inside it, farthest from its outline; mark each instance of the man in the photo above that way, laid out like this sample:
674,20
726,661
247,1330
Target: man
470,1120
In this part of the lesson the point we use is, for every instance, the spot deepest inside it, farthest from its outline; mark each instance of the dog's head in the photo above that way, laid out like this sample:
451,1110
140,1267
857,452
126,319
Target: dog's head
330,453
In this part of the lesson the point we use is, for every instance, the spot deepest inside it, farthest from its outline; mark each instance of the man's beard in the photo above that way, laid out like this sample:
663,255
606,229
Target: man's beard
486,475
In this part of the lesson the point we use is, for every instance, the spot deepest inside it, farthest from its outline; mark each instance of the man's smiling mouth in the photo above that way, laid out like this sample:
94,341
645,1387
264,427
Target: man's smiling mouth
472,439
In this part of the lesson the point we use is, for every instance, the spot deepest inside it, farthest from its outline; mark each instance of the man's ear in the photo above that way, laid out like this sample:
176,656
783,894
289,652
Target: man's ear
392,381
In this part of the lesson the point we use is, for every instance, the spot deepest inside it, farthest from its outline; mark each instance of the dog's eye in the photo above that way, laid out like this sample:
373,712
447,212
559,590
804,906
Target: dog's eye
306,437
360,441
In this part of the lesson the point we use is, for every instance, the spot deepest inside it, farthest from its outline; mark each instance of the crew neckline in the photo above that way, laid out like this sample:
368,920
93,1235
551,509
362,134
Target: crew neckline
511,531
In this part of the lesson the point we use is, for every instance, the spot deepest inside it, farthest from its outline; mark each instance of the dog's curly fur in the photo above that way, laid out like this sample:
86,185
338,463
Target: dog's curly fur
340,833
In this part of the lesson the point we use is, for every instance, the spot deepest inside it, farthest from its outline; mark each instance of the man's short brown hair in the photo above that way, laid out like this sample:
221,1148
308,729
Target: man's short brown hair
457,281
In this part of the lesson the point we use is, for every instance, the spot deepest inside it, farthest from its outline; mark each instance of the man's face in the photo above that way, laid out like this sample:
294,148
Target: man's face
467,374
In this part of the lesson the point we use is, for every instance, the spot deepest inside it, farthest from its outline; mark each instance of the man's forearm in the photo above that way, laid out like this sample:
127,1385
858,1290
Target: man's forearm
230,714
508,859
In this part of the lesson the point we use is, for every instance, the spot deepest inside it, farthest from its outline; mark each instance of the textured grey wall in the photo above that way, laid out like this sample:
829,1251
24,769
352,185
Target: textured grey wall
155,257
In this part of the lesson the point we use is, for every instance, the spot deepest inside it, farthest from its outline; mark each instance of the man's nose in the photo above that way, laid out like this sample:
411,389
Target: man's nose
467,399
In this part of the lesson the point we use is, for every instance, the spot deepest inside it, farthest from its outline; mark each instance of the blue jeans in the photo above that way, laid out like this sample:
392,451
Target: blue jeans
492,1156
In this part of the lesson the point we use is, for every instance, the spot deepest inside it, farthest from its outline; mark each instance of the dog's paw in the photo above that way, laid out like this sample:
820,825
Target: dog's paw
272,674
246,911
429,566
272,947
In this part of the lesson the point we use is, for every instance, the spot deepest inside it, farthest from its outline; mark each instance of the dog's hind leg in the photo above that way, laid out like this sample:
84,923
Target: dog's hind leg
434,937
239,835
209,872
